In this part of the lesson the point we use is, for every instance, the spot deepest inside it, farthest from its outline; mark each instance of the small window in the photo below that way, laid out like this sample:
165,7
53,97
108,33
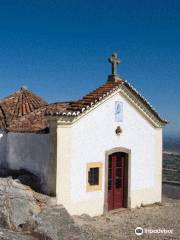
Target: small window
93,176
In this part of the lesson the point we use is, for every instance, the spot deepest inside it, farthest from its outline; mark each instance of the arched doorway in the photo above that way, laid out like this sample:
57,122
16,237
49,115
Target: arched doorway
116,185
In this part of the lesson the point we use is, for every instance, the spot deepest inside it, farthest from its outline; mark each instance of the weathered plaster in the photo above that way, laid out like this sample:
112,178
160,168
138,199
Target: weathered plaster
52,163
3,146
28,151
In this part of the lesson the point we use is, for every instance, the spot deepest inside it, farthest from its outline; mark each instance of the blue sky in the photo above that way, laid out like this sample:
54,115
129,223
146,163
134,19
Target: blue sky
59,49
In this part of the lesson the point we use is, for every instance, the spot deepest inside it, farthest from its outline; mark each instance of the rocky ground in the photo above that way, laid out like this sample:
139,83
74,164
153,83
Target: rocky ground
27,215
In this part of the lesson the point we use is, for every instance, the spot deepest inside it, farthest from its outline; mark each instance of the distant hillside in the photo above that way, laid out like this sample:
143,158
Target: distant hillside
171,144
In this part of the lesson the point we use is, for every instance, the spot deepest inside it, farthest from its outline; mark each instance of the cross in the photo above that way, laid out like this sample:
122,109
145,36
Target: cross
114,61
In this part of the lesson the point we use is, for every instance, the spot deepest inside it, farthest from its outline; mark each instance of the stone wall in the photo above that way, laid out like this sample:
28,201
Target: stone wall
171,168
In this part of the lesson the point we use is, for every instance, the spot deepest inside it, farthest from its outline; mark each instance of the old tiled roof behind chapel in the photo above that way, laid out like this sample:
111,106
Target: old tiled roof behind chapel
23,111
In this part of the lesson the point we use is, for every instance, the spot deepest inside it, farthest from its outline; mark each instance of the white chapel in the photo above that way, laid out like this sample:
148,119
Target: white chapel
105,149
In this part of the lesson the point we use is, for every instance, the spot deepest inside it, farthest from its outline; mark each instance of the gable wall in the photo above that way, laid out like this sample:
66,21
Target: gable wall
93,135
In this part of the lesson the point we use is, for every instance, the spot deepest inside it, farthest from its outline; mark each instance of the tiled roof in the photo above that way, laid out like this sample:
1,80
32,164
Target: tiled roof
2,119
32,122
57,108
145,102
36,120
21,103
23,112
76,108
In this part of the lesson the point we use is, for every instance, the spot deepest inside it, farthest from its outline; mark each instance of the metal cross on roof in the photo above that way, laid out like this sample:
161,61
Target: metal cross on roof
114,60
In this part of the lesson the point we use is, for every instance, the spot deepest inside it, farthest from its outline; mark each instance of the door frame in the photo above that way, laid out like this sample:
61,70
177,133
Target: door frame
107,154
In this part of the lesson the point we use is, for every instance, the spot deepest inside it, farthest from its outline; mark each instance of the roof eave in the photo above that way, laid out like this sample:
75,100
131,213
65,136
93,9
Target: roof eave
144,101
128,90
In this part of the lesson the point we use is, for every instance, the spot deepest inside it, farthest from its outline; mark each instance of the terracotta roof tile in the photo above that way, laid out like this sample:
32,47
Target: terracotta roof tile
2,119
87,101
33,122
23,112
57,107
77,107
21,103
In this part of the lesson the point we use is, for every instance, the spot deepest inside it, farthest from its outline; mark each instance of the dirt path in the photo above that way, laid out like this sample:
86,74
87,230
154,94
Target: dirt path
121,225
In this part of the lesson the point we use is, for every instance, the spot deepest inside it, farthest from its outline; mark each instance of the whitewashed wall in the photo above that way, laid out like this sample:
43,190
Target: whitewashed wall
28,151
3,141
89,139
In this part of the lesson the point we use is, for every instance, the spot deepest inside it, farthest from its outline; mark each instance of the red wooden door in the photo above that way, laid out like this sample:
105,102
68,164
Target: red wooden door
116,180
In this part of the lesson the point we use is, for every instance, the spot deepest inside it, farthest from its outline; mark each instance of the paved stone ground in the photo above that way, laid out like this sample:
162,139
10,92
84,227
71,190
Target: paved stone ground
121,225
